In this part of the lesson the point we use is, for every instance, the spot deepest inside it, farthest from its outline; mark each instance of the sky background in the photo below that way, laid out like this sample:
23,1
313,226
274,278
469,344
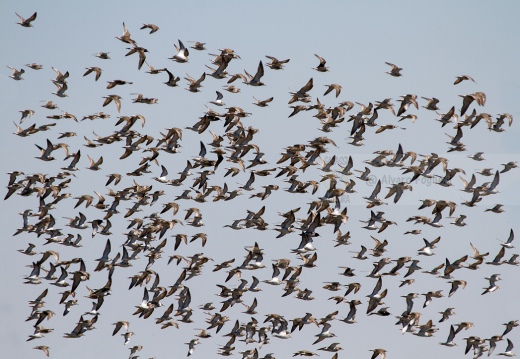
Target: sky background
432,42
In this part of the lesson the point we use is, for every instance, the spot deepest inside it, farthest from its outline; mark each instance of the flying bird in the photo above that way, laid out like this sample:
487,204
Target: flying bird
276,64
153,28
395,70
27,23
182,53
461,78
321,67
467,100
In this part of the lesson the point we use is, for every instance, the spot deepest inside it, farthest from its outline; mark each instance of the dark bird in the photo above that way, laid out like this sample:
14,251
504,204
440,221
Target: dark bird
153,28
27,23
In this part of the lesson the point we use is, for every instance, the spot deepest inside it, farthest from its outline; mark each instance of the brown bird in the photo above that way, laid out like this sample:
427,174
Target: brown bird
378,352
102,55
461,78
153,28
27,23
172,80
43,348
276,64
34,66
114,83
263,103
141,52
333,87
321,67
198,45
479,97
115,98
126,36
96,70
394,71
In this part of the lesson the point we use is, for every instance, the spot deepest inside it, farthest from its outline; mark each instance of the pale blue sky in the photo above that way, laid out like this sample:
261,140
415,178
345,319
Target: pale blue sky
433,42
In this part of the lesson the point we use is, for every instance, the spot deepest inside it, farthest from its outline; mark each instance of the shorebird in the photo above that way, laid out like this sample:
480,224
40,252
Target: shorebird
147,100
220,72
463,325
254,80
29,250
406,101
305,353
50,105
117,100
126,37
375,298
325,333
321,67
455,284
218,101
198,45
182,53
459,221
153,28
509,326
492,284
43,348
486,172
45,154
276,64
102,55
509,349
477,156
114,83
231,89
409,301
194,85
120,324
436,221
394,71
191,346
60,92
351,316
172,80
461,78
263,103
361,253
513,260
373,200
509,243
95,70
478,97
446,314
332,87
378,352
508,166
17,74
334,347
412,268
493,343
449,342
127,337
432,104
274,278
430,295
34,66
27,23
94,165
301,94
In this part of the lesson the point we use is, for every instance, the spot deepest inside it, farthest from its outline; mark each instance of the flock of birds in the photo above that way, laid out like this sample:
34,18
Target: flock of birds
156,235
